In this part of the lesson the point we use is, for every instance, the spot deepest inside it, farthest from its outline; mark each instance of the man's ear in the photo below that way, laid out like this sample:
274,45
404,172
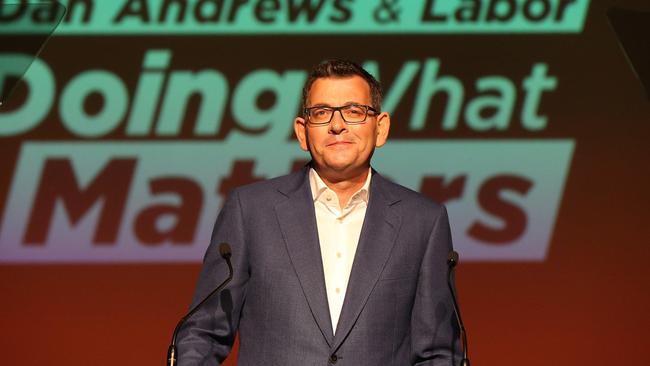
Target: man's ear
300,128
383,127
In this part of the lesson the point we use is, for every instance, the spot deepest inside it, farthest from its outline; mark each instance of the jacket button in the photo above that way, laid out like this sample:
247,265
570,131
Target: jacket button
333,358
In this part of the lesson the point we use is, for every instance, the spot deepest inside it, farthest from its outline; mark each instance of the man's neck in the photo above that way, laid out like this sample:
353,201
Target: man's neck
344,185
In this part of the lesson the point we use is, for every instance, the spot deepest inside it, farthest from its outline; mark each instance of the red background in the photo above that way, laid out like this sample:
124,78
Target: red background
586,304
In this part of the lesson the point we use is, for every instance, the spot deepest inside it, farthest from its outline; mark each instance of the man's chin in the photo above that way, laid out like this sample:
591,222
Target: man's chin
341,169
338,166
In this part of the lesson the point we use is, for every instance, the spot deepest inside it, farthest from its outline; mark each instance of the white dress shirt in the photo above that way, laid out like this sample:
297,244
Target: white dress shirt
338,232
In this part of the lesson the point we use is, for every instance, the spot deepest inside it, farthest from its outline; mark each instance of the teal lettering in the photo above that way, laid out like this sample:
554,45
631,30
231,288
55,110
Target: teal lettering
372,67
147,92
535,85
41,83
430,84
402,82
286,89
71,106
502,104
211,85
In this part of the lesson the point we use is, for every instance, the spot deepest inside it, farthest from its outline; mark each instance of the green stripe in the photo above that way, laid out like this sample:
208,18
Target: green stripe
351,17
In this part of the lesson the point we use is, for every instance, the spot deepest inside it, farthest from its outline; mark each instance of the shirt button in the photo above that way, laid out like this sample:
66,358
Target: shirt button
338,255
338,290
328,198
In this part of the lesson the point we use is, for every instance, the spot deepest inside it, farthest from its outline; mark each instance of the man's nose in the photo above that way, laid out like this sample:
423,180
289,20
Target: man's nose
337,125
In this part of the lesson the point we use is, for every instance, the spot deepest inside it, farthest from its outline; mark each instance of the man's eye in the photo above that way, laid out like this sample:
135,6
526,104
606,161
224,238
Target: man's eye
322,112
355,111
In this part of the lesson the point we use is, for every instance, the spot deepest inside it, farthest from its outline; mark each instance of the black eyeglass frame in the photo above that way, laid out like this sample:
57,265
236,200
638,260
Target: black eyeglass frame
367,109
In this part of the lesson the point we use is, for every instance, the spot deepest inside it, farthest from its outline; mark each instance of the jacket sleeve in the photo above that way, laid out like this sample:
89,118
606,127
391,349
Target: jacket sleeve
207,336
434,330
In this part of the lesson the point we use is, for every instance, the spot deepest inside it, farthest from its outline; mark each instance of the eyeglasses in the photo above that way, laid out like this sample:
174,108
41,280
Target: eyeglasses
353,114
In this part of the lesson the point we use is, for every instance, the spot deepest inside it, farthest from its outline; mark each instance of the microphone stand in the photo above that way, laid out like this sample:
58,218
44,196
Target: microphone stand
172,358
452,260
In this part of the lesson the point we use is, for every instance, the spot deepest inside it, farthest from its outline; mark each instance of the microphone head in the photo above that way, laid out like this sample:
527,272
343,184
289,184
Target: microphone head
452,258
225,251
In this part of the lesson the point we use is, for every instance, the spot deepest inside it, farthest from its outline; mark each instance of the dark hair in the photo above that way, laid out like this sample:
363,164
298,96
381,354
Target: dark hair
342,68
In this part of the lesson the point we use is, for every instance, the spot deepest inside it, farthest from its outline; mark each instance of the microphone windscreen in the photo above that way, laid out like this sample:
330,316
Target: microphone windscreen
225,251
452,258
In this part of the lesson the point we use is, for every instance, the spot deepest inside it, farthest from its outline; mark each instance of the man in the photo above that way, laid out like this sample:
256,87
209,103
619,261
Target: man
333,264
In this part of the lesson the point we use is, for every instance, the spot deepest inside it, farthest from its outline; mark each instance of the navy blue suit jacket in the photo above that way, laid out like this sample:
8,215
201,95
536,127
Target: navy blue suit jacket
397,309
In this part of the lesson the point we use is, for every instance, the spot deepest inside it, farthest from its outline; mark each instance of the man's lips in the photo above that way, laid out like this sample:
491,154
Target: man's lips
339,143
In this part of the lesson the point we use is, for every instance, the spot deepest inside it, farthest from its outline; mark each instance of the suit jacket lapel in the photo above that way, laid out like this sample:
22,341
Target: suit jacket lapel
380,228
297,220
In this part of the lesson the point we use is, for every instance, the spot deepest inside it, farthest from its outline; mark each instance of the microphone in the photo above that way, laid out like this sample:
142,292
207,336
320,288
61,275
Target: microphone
452,261
226,253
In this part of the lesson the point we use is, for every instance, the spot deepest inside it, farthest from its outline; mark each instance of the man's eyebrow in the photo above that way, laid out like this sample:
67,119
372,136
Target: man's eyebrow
352,102
329,105
321,105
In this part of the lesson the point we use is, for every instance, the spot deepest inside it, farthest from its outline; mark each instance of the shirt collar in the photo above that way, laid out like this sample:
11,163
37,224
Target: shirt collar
318,187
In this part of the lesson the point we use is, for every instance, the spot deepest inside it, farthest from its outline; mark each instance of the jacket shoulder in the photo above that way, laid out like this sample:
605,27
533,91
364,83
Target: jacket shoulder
266,188
410,199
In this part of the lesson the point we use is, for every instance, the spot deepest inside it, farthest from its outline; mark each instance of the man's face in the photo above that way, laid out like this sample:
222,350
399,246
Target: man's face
339,150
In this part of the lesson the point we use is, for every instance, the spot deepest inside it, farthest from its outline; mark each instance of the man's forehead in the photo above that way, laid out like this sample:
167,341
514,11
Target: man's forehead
353,87
348,79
